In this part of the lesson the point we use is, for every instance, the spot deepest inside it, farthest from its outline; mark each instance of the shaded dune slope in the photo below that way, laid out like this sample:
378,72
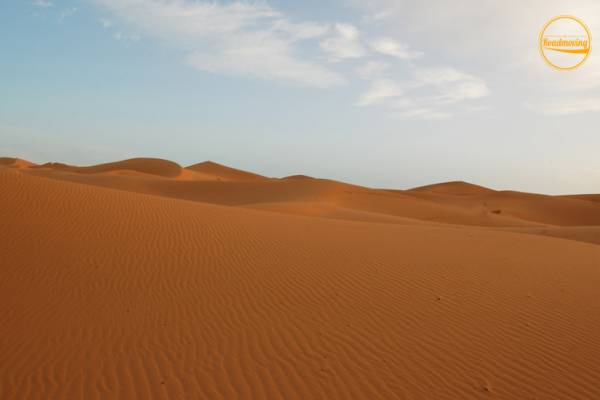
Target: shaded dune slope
137,296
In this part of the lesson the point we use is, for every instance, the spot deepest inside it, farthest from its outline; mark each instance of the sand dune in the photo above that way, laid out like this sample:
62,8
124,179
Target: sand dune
455,203
224,173
297,177
151,166
457,188
588,234
15,162
159,283
588,197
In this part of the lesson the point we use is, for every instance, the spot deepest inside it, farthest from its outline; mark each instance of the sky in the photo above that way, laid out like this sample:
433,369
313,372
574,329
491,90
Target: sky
383,93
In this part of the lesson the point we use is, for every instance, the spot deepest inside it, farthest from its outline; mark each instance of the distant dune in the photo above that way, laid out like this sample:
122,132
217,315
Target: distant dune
297,177
15,162
224,173
454,188
151,166
141,279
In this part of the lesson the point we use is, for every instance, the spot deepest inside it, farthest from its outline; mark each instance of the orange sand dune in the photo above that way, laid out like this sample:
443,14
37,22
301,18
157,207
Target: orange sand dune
278,194
589,197
588,234
297,177
536,208
456,203
15,162
139,280
151,166
453,188
223,172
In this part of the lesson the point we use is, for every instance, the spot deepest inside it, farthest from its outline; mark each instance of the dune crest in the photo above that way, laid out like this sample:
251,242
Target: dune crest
297,177
453,188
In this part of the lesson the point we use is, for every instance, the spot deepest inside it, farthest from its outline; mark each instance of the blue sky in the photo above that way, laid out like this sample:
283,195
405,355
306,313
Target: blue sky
385,93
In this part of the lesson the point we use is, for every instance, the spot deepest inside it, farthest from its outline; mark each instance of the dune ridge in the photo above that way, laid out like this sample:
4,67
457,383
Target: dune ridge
15,162
149,286
151,166
453,188
455,203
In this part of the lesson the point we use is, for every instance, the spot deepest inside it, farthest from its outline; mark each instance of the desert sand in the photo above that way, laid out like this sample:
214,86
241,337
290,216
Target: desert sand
141,279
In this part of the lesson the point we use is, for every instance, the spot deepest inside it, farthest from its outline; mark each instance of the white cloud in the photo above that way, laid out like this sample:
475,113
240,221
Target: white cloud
66,13
493,38
43,3
429,93
439,76
251,39
377,17
237,38
372,69
264,61
393,48
126,37
420,113
473,89
119,35
345,43
567,106
300,31
106,23
379,92
451,85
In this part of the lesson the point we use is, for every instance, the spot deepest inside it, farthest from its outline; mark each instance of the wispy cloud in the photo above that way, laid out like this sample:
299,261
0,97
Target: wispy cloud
493,39
126,37
344,43
451,85
252,39
270,61
300,31
238,38
393,48
106,23
429,93
380,91
43,3
66,13
372,69
566,106
421,113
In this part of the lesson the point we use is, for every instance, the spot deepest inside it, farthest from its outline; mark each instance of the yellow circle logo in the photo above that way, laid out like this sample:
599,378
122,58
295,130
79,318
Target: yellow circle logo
565,42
